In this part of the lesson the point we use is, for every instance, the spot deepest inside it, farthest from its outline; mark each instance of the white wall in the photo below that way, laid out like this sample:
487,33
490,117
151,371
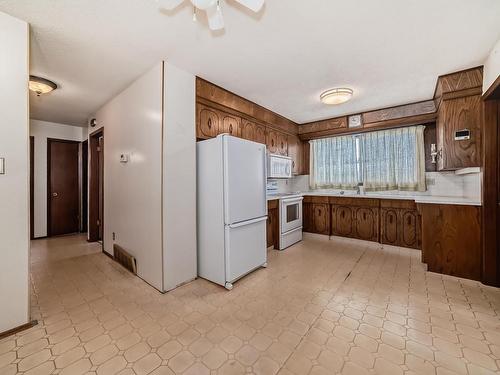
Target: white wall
179,178
132,124
14,190
491,67
41,130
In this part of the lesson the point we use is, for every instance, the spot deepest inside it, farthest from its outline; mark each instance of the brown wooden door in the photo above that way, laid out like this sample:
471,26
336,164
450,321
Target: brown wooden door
295,152
410,229
260,134
272,141
321,218
101,187
367,223
282,144
230,124
208,121
389,224
342,221
63,187
459,114
248,130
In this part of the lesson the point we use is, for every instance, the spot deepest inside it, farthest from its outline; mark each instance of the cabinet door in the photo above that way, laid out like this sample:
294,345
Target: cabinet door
389,225
282,144
230,124
321,218
295,152
248,130
342,221
260,134
410,229
454,115
366,223
272,141
307,217
208,122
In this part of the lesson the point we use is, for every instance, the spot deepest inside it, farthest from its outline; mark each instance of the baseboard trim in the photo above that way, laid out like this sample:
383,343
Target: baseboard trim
15,330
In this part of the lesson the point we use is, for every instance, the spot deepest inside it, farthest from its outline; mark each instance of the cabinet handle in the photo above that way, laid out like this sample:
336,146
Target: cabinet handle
390,219
210,123
230,128
343,214
409,220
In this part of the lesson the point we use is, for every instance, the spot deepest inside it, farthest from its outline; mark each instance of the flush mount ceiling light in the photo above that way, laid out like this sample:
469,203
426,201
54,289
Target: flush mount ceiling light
41,85
336,96
213,9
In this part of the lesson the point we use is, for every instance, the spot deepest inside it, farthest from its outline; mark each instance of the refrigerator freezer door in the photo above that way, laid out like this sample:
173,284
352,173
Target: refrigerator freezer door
244,180
245,247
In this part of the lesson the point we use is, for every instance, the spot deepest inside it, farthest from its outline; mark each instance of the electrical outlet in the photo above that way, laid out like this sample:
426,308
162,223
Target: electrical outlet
430,181
114,236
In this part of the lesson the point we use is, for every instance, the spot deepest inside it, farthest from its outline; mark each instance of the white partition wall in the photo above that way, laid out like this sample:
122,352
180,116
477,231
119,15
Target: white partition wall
150,200
14,191
132,124
179,177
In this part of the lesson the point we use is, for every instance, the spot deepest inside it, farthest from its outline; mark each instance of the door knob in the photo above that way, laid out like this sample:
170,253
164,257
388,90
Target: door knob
55,194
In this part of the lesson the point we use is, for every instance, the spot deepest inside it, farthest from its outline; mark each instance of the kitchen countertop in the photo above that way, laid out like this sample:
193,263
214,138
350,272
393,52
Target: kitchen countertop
430,199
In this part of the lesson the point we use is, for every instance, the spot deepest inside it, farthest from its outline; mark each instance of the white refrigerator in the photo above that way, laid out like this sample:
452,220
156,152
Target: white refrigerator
231,208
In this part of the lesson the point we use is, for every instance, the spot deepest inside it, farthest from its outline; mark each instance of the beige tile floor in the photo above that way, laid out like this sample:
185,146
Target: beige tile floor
321,307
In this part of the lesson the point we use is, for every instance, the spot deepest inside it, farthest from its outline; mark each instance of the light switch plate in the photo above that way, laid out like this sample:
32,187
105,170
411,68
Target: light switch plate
2,165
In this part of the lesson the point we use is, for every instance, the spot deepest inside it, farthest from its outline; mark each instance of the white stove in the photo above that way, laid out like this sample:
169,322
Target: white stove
290,208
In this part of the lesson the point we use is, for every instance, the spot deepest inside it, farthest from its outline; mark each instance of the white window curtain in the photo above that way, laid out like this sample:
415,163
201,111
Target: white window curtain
334,163
381,160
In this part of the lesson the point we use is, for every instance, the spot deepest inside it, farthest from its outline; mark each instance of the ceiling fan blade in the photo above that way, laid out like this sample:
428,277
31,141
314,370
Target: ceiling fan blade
170,4
254,5
215,19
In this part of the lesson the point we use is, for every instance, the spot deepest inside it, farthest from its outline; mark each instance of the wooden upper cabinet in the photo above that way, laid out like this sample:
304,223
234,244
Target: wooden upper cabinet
230,124
207,122
282,144
253,131
272,141
454,115
296,153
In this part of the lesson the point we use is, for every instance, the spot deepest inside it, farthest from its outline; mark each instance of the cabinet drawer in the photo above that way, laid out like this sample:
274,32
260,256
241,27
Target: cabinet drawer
315,199
398,203
357,202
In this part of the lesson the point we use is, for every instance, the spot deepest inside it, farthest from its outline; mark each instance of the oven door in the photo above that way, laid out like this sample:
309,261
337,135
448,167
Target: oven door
291,214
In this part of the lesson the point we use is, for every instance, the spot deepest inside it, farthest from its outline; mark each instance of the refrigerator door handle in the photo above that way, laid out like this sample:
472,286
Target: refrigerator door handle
248,222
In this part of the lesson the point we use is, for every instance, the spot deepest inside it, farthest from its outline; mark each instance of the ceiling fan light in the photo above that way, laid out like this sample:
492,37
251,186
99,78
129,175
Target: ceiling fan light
41,85
203,4
336,96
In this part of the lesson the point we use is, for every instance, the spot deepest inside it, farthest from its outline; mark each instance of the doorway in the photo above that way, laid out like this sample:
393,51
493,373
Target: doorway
96,186
32,187
63,203
84,186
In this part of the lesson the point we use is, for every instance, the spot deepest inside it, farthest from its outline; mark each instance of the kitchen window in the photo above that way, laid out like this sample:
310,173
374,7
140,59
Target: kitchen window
381,160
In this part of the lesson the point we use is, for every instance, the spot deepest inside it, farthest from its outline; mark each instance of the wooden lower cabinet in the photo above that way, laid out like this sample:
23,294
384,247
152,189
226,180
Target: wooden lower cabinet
316,215
342,221
321,218
367,224
451,239
272,233
400,223
393,222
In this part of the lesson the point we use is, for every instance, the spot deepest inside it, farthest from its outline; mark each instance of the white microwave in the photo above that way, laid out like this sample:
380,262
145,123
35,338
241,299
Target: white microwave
279,166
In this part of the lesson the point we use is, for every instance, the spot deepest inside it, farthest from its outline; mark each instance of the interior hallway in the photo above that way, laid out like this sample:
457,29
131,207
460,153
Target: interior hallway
321,307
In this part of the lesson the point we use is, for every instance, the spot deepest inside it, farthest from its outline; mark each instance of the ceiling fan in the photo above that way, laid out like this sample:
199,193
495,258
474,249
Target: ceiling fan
212,8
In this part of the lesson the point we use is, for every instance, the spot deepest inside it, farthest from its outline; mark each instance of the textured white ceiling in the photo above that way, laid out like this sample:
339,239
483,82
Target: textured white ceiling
389,51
